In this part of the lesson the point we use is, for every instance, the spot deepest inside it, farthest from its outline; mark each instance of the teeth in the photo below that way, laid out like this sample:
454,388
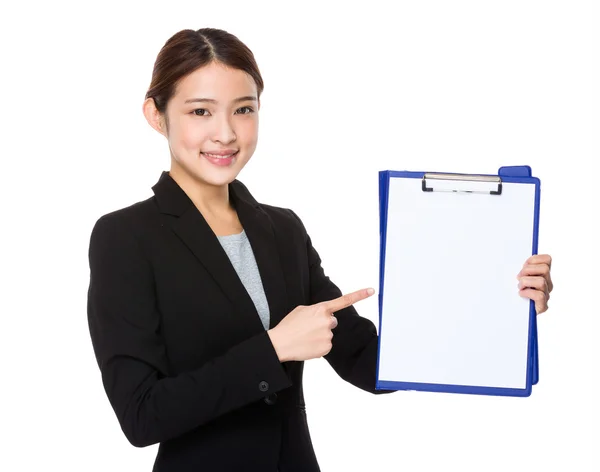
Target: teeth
218,157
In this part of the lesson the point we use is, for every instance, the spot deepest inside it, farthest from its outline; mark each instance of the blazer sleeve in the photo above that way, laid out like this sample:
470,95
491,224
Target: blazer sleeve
355,341
151,405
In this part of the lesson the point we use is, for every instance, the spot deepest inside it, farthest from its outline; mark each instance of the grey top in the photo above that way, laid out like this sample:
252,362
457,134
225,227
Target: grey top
237,247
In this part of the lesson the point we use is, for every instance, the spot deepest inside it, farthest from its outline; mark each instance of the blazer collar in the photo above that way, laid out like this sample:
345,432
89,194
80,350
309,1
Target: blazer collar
193,230
172,200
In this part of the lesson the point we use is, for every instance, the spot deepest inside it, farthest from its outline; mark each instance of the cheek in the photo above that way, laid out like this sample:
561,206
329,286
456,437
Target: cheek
187,136
249,132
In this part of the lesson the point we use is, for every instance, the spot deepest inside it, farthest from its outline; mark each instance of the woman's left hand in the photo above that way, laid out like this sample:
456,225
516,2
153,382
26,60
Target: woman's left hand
535,281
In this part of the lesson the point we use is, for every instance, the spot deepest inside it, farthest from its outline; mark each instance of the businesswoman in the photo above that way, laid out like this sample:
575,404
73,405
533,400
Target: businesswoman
203,303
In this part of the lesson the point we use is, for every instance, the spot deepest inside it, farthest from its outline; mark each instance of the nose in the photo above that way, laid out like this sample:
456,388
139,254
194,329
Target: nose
224,132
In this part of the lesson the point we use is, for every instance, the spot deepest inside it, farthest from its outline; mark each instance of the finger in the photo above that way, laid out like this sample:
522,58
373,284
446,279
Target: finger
537,282
535,269
538,270
540,259
349,299
334,322
541,304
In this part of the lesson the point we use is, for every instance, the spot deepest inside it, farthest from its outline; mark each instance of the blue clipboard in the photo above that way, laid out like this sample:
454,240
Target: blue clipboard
508,175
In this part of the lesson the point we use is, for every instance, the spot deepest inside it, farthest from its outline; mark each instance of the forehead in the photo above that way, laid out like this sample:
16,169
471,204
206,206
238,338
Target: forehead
215,81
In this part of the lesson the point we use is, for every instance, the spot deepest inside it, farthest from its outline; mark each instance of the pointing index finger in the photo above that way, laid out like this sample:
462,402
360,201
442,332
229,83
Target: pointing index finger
348,299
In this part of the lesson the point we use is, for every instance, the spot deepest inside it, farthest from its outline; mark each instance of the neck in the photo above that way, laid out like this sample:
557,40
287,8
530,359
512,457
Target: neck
209,199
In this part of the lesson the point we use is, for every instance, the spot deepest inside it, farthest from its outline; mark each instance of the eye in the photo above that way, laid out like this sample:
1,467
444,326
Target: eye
250,110
200,109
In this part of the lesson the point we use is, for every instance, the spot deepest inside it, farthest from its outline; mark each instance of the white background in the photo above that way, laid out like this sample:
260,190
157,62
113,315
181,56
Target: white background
351,89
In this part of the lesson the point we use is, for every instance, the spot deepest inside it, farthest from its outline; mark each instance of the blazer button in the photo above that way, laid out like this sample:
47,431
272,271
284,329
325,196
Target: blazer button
263,386
271,399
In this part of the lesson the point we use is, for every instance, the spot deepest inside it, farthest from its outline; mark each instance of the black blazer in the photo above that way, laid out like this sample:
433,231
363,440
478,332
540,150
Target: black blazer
184,357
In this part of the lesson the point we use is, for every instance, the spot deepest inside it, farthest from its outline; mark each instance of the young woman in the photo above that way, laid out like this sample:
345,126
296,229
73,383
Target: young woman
203,303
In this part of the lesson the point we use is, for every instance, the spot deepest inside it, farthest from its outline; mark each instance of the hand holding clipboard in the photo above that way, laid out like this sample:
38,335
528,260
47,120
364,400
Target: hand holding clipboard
535,281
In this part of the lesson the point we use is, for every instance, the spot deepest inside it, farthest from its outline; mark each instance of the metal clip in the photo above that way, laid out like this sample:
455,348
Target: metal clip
478,187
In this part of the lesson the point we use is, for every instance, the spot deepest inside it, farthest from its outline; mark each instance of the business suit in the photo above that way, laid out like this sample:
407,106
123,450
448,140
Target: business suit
185,360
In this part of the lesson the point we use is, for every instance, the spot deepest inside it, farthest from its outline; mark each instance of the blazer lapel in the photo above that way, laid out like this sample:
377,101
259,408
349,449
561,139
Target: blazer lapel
266,248
193,230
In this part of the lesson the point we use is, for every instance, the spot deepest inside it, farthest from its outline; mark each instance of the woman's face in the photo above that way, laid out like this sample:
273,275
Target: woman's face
214,110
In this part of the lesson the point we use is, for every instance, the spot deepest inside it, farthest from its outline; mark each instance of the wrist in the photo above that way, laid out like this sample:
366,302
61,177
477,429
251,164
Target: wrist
277,344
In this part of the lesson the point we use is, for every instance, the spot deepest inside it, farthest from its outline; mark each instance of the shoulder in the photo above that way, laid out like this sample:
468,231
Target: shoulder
283,216
125,222
280,216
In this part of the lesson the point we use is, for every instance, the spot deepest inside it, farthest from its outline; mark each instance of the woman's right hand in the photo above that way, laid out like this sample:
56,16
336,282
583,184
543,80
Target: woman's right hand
306,332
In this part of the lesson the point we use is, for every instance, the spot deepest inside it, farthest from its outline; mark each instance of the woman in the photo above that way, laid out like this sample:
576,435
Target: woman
203,303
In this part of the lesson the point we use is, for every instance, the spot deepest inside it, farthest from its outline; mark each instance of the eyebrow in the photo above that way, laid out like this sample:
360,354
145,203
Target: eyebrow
210,100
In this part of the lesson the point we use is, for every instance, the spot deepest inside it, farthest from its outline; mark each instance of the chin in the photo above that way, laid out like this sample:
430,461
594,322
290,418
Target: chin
217,181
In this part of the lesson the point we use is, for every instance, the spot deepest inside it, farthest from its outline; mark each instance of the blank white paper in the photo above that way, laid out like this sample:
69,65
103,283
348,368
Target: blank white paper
451,312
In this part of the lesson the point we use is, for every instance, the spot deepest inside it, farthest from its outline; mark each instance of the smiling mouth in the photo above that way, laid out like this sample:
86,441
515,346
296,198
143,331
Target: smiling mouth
220,161
217,156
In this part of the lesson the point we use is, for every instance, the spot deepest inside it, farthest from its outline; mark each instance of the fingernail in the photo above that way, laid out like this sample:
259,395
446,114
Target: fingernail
370,291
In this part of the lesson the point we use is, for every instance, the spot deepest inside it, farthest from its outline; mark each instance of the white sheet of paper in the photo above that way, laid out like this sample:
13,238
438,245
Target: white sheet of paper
451,312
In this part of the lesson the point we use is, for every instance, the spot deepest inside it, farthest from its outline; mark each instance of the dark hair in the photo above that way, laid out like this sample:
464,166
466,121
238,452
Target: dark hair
187,51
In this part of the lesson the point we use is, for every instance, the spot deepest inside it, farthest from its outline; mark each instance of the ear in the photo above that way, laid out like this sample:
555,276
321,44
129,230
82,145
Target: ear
154,117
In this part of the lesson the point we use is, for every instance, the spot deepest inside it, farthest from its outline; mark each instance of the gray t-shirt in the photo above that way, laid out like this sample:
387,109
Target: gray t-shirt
239,251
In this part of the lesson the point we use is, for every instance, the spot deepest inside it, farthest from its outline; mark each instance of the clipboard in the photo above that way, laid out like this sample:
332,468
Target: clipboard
450,317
